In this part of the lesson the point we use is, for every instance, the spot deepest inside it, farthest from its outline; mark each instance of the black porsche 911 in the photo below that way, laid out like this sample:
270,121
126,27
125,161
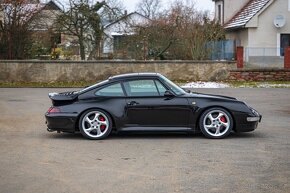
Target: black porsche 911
146,102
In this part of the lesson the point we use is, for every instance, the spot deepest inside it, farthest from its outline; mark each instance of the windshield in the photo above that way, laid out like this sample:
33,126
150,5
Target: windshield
174,87
90,87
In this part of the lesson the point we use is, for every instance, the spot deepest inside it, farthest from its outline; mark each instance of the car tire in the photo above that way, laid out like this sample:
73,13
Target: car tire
95,124
216,123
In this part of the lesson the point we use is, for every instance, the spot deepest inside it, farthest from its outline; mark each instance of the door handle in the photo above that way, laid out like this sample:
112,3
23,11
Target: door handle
132,103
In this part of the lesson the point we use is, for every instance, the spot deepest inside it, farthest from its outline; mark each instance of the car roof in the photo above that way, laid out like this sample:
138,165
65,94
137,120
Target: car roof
134,75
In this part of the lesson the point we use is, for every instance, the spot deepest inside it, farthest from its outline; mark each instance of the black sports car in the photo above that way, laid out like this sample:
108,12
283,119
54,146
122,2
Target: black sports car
146,102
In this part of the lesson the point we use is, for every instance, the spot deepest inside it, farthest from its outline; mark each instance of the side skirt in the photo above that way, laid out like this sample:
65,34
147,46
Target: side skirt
157,129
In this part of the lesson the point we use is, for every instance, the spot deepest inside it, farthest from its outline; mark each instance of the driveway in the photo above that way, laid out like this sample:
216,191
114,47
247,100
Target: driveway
34,160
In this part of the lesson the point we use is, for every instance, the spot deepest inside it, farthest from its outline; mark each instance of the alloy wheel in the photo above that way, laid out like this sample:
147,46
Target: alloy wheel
95,124
216,123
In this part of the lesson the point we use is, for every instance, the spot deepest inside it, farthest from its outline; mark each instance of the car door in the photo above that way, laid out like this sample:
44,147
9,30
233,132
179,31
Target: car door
147,105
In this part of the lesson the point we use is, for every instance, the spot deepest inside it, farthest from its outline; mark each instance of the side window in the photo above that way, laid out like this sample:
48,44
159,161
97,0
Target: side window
141,88
160,87
111,90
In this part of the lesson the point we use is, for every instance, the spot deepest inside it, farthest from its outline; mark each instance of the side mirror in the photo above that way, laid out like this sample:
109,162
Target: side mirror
186,90
168,93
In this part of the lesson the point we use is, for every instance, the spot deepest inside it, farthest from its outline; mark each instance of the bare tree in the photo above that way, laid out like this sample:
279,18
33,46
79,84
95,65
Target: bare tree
16,28
149,8
110,12
76,21
181,32
86,21
23,25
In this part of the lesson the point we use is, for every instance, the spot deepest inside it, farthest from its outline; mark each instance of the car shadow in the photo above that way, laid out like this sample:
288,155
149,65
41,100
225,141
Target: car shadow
126,135
154,135
65,136
246,135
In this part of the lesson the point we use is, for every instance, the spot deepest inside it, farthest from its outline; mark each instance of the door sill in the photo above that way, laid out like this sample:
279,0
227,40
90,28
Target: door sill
151,129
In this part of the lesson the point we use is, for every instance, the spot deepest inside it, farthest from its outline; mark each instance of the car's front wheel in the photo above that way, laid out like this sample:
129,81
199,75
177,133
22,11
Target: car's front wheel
95,124
216,123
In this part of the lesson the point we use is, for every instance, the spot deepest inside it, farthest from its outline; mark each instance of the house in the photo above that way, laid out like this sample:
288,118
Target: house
43,24
38,18
117,32
262,27
34,12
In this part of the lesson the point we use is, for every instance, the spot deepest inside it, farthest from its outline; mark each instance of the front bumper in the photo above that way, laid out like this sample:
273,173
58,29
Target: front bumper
246,122
256,118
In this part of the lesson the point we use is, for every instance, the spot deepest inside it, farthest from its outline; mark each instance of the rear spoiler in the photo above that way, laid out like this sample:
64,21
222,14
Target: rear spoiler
62,98
51,94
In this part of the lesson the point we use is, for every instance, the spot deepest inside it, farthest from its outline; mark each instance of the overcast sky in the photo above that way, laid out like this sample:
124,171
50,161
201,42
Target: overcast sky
200,4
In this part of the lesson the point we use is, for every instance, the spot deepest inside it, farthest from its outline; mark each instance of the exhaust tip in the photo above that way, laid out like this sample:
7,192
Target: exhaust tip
49,130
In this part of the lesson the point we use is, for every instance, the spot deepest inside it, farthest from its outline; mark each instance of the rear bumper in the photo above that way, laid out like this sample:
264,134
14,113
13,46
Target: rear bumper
61,121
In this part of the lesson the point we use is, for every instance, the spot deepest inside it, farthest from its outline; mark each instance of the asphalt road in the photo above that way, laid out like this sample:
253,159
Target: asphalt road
33,160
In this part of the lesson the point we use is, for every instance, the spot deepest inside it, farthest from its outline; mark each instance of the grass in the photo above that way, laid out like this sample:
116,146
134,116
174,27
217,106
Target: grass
259,84
234,84
252,84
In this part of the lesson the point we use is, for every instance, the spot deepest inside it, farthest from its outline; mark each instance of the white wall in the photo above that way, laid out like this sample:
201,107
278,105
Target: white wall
231,7
265,35
126,26
123,27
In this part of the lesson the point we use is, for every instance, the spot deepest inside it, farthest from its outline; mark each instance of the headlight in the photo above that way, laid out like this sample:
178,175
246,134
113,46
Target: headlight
254,111
253,119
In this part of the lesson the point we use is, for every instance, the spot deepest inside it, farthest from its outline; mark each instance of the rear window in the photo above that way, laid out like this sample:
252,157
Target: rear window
111,90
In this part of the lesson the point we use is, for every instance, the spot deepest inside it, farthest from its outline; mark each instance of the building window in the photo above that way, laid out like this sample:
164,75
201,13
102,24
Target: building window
219,13
284,42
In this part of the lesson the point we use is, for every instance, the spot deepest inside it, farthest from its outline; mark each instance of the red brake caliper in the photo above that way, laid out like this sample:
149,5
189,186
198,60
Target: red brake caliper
101,118
223,119
102,127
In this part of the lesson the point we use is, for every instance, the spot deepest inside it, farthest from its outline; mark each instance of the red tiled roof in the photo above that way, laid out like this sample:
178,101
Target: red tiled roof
246,13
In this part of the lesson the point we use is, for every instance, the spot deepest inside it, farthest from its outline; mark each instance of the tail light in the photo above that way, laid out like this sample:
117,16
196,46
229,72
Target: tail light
53,110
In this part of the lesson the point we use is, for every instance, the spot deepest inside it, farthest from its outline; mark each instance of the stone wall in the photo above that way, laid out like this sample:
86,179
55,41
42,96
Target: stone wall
73,71
259,74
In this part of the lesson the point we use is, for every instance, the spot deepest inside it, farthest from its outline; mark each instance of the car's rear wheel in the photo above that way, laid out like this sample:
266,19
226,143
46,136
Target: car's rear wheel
95,124
216,123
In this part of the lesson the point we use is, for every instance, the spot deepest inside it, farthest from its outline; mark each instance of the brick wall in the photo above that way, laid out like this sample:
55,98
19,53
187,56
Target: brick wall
259,74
